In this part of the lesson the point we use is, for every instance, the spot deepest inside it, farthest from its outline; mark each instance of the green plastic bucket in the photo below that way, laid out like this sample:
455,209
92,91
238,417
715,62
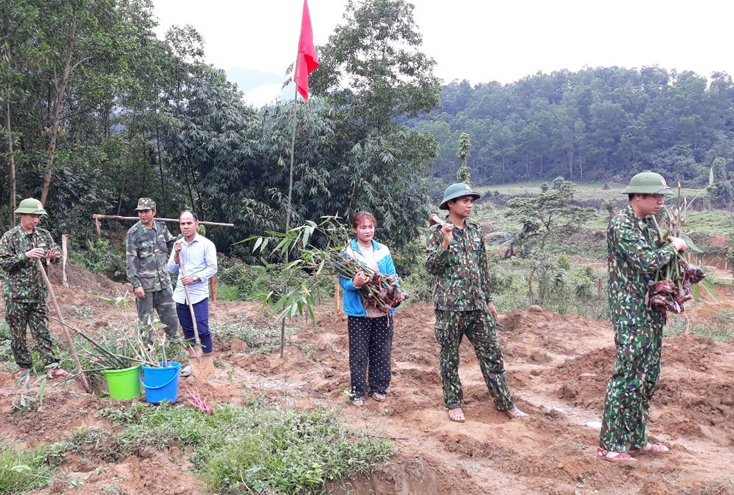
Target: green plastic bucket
123,384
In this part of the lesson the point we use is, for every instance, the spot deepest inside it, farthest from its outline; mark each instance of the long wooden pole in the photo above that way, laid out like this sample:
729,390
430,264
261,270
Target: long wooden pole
70,342
118,217
191,306
64,259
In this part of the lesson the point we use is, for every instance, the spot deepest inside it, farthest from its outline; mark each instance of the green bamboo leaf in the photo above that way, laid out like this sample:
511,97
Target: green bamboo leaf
691,245
708,286
257,244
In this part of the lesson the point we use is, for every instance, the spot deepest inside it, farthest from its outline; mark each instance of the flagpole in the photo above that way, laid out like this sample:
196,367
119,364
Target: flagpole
290,188
293,150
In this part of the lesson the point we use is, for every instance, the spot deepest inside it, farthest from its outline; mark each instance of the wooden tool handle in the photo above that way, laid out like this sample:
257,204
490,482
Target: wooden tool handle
436,220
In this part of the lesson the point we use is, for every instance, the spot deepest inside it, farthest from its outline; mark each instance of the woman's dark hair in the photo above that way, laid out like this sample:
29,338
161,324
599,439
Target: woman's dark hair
193,214
359,216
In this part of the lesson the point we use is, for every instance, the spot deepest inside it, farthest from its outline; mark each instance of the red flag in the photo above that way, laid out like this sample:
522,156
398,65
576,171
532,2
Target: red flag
306,61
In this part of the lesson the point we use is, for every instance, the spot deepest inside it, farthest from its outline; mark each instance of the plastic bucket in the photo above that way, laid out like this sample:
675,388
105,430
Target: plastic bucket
123,384
160,383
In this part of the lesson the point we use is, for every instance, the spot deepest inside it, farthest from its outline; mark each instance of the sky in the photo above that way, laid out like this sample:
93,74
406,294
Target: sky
477,40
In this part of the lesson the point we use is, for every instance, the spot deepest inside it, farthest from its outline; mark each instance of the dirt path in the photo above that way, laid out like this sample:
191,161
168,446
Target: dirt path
557,369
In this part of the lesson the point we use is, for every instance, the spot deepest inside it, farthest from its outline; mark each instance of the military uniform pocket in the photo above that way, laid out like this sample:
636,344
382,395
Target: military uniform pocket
442,329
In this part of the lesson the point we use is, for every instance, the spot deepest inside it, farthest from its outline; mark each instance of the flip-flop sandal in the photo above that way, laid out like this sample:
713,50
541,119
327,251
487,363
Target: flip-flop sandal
22,373
358,402
610,456
379,397
652,449
59,373
456,414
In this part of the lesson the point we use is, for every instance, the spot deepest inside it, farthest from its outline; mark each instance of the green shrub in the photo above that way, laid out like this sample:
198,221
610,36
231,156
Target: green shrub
100,257
252,282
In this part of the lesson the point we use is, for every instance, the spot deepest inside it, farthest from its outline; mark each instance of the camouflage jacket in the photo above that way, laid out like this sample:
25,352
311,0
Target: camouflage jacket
147,256
24,282
461,271
635,254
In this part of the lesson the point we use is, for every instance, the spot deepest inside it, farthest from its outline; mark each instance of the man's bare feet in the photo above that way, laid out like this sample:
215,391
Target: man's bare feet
651,448
611,456
515,413
456,414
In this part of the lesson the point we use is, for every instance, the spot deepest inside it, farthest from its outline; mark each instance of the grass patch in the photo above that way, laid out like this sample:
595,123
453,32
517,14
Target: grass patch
259,448
23,471
254,337
721,329
228,293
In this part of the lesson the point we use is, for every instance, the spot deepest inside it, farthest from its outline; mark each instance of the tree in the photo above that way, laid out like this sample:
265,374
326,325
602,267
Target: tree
372,65
464,174
720,189
372,73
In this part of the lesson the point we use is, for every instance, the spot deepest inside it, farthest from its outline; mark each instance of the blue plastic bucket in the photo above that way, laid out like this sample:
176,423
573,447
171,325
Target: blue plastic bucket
160,383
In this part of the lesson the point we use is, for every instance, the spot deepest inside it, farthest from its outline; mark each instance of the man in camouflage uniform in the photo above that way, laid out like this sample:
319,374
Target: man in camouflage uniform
636,253
148,243
25,291
463,304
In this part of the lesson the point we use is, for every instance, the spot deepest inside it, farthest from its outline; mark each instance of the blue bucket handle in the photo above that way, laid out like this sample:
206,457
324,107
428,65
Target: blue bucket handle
140,377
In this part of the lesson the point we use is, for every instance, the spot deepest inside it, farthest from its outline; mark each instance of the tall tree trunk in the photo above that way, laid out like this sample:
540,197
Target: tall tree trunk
58,104
11,157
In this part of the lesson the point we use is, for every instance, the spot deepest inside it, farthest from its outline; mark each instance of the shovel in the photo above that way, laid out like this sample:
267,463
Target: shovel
200,369
69,342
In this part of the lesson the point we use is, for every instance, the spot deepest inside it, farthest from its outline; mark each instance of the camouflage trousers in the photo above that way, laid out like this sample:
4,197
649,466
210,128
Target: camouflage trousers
631,388
478,326
162,302
20,316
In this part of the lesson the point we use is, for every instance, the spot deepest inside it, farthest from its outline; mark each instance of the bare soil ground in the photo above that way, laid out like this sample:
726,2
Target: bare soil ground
557,369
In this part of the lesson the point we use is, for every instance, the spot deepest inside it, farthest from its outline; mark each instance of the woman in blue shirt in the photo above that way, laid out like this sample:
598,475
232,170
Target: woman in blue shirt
370,329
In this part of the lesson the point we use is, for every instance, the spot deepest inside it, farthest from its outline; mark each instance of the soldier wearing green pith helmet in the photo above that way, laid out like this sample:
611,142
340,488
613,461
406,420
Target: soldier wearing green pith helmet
148,245
456,257
25,291
635,255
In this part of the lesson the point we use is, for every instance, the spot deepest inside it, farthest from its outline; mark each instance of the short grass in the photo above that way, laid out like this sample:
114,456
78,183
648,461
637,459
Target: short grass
260,448
720,329
23,471
255,337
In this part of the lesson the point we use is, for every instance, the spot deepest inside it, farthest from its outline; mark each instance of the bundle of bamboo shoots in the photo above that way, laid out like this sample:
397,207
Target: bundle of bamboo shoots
673,284
381,291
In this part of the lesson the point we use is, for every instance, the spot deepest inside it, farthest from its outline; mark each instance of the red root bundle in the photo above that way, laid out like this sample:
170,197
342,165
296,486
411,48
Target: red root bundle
389,296
381,291
669,295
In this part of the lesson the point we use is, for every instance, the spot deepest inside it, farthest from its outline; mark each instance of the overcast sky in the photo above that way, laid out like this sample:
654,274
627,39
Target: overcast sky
482,40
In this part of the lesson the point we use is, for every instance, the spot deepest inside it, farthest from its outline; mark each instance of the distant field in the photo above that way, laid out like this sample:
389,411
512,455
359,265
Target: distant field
710,229
585,191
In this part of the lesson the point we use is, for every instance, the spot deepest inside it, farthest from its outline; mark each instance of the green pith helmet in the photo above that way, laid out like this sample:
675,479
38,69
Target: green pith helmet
30,206
648,183
455,191
145,204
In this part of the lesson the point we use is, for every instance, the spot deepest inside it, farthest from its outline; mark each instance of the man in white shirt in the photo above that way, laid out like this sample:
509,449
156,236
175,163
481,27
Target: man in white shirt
196,256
